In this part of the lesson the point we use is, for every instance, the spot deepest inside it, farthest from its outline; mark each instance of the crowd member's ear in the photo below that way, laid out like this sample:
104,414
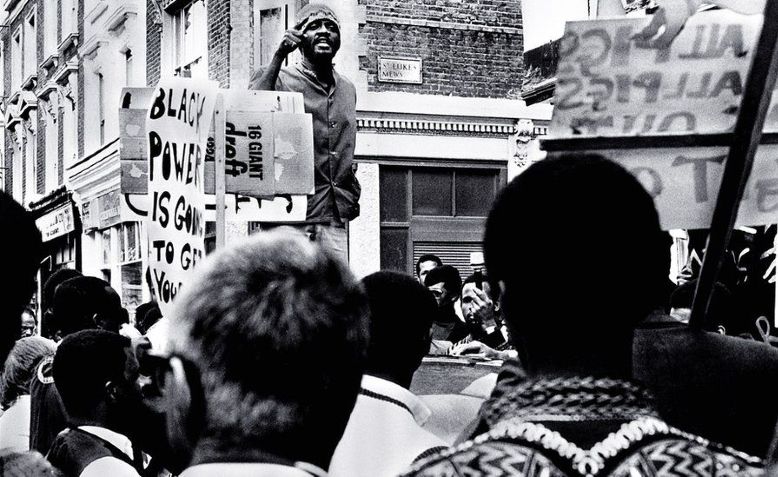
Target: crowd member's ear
112,392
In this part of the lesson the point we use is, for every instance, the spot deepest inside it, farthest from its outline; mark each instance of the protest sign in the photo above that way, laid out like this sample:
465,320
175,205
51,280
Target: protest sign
684,183
177,126
238,208
265,128
609,85
132,139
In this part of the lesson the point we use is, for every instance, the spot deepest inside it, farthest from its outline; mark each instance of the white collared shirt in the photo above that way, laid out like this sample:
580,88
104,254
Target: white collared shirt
384,434
110,466
253,469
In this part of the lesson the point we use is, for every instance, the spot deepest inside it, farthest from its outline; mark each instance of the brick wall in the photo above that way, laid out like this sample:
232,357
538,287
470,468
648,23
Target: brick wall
153,44
7,153
80,93
219,30
41,129
467,48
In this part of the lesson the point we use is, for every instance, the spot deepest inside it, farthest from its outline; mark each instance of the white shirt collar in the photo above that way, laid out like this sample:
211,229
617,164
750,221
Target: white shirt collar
389,389
254,469
118,440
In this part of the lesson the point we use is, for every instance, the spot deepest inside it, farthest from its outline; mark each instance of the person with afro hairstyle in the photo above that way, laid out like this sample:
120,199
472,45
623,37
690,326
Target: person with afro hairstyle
578,411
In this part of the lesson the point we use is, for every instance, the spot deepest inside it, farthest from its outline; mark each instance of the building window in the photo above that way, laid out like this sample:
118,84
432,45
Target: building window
68,18
30,39
190,36
49,29
16,60
434,210
128,68
101,106
130,241
271,19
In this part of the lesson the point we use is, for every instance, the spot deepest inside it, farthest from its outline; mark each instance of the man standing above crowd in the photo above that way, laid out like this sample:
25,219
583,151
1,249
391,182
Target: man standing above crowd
331,99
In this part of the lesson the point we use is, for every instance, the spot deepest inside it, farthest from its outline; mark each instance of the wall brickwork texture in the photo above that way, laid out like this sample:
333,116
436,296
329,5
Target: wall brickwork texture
79,99
153,44
219,30
471,48
41,129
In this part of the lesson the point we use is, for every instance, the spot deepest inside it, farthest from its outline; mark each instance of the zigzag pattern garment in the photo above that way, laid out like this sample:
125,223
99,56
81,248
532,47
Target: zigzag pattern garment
521,440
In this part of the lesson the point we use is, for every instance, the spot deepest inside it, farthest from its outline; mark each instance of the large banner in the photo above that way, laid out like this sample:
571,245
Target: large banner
177,125
610,85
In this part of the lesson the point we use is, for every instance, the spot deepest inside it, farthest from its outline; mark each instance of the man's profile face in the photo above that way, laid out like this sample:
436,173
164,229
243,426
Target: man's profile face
442,296
321,39
424,269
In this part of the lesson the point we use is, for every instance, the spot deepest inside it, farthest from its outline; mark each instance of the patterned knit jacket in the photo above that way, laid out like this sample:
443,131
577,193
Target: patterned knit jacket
582,426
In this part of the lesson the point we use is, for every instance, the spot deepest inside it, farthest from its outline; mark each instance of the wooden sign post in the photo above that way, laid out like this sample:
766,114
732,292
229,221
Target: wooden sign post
740,160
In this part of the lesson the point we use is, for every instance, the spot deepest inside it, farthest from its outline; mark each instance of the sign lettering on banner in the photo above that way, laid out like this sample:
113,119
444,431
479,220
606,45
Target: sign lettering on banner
610,86
287,208
177,126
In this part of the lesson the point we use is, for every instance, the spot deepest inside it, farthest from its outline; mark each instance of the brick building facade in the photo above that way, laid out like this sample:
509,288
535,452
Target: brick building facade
448,136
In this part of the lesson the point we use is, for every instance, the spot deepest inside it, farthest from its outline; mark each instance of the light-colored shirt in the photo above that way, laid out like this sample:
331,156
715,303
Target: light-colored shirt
110,466
384,434
257,469
15,426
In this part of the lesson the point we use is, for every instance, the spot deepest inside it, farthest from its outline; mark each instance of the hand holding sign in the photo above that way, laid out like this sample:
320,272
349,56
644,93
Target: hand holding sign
671,17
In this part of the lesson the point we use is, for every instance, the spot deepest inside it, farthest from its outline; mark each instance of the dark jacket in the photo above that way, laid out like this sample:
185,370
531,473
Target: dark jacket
337,190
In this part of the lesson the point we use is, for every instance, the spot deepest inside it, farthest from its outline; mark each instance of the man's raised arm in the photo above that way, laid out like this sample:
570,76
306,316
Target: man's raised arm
265,78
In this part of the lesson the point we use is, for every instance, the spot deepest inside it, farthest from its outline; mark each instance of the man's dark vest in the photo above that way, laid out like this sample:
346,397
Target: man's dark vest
74,449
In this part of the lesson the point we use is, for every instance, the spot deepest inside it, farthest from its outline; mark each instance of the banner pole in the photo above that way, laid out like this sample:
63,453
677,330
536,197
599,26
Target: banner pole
220,121
740,159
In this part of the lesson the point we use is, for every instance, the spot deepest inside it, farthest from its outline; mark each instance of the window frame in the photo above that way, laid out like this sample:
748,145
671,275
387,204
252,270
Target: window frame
437,228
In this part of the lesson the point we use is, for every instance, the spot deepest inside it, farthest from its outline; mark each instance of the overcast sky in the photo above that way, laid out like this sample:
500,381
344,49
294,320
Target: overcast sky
544,20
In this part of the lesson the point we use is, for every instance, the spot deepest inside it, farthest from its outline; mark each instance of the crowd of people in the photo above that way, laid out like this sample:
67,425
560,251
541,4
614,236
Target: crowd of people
277,361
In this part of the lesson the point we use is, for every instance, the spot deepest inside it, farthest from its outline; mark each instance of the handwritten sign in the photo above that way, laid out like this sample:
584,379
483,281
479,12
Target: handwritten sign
287,209
610,85
245,109
177,125
399,70
684,183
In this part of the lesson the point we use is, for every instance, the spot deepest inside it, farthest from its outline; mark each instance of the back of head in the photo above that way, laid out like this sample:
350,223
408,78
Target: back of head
82,303
22,248
576,241
401,313
85,361
277,328
427,257
20,367
47,296
447,275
